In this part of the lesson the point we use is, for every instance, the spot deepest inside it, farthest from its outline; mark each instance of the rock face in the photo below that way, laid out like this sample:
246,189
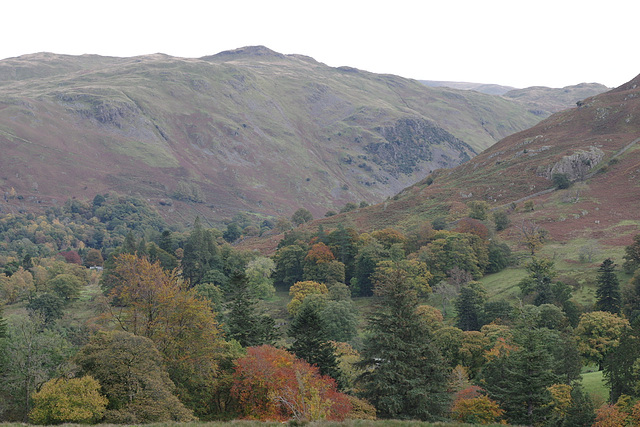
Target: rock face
577,165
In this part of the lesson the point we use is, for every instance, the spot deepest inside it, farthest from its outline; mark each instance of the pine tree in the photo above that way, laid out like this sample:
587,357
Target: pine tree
469,306
405,375
519,380
244,323
608,293
309,332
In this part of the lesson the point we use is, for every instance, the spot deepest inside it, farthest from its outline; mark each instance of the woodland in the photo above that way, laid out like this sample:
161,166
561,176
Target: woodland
110,315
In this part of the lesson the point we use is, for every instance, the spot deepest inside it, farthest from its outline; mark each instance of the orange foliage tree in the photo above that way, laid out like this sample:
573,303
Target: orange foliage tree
271,384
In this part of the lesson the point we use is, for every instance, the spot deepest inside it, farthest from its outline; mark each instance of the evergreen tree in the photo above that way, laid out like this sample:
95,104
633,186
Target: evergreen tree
404,373
244,323
620,366
166,242
310,342
519,379
201,254
608,293
469,305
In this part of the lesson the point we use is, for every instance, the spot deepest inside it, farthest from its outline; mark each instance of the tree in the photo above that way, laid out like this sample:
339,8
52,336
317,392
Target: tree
311,342
156,304
632,255
66,286
532,236
289,266
501,220
258,273
519,379
469,305
130,370
201,254
608,292
598,333
478,209
620,366
33,355
301,216
537,285
476,410
301,290
404,373
93,258
244,322
232,233
74,400
272,385
561,181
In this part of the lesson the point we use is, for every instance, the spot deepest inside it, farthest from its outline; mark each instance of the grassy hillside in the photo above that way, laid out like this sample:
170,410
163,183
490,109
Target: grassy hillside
246,130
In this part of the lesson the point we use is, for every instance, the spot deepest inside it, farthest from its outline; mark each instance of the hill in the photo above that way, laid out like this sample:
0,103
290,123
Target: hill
249,130
539,100
594,145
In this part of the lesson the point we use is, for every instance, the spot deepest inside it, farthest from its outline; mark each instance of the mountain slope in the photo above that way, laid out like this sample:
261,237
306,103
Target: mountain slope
245,130
596,145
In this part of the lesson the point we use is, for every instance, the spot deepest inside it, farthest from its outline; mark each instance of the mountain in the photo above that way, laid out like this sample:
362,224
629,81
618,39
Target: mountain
595,145
539,100
488,88
245,130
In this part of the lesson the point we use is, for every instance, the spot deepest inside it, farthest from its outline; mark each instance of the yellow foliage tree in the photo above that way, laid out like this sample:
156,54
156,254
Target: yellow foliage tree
477,410
300,290
75,400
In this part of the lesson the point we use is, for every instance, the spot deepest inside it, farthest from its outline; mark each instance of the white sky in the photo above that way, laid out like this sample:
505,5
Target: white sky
511,42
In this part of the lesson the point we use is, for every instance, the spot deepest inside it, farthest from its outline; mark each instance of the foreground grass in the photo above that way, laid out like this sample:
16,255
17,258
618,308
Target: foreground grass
241,423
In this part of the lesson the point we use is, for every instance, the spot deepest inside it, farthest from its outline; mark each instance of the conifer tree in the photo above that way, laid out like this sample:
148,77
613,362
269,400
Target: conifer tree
404,373
608,292
469,306
244,323
201,254
309,332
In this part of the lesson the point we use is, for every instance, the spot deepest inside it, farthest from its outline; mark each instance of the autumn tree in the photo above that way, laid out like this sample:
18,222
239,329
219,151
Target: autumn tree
74,400
478,209
300,290
477,409
404,373
156,304
608,292
598,333
272,385
131,372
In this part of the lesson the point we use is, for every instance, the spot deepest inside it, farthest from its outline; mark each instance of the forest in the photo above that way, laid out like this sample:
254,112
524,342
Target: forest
110,315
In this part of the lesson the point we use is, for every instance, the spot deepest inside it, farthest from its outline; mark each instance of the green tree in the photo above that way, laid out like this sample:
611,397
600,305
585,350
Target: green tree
258,273
469,306
201,254
501,220
620,366
632,255
47,305
561,181
131,372
232,233
34,354
66,286
478,209
519,379
405,376
608,292
74,400
244,322
301,216
289,266
537,286
311,342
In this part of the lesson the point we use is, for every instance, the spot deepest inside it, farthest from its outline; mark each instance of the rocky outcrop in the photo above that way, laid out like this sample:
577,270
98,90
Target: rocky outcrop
575,166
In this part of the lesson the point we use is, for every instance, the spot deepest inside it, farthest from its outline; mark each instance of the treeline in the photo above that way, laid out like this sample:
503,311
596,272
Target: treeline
180,326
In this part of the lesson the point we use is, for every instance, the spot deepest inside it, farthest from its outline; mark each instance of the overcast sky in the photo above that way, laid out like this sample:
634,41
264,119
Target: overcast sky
512,42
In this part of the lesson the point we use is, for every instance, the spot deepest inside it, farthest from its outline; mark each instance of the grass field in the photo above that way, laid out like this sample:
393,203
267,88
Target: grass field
594,385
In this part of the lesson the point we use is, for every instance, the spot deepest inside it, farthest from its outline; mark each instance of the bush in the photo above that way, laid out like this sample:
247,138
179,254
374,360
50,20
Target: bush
561,181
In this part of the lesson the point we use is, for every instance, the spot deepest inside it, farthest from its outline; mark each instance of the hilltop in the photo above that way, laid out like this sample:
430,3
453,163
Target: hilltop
249,130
